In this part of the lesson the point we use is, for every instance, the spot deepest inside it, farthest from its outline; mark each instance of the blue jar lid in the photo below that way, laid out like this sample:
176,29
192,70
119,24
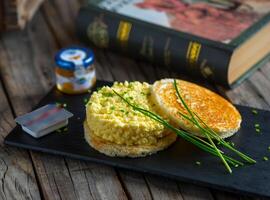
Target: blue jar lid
70,57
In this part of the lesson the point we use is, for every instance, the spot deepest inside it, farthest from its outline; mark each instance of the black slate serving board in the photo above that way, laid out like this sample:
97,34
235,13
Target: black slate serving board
177,162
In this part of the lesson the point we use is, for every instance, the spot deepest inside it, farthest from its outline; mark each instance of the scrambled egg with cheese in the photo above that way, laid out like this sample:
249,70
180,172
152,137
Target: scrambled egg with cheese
113,120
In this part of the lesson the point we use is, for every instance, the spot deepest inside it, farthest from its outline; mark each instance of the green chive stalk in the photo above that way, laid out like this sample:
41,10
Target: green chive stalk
196,122
217,137
226,144
193,139
208,131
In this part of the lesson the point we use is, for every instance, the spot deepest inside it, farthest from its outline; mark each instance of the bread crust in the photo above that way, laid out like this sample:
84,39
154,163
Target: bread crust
112,149
214,110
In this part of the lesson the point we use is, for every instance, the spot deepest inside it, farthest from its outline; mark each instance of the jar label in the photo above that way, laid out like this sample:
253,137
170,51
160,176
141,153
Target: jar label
79,72
80,82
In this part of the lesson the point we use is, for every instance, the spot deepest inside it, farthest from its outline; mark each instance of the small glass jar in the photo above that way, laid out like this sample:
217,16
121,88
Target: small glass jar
75,71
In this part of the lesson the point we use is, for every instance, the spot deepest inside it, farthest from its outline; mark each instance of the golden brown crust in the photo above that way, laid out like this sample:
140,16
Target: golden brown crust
215,111
113,149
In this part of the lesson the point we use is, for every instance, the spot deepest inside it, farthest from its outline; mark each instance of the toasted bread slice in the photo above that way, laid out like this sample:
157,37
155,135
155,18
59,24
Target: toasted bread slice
112,149
219,114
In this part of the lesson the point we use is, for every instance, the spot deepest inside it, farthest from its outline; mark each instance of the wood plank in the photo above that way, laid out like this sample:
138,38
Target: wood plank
61,20
102,68
254,92
163,189
135,185
26,10
2,19
102,180
17,177
192,192
266,70
16,14
57,176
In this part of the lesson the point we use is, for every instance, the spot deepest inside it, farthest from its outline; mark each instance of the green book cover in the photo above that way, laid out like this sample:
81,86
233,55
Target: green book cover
207,25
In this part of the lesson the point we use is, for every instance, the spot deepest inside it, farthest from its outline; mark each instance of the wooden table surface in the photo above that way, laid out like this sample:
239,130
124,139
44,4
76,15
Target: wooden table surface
26,73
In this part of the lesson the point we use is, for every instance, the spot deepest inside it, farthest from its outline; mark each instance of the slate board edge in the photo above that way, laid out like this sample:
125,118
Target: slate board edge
158,173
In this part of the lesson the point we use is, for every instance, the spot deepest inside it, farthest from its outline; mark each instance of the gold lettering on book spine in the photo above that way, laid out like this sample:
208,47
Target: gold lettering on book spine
123,32
193,53
97,32
147,49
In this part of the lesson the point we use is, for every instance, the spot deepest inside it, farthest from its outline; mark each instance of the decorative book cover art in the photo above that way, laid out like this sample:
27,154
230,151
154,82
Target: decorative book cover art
218,20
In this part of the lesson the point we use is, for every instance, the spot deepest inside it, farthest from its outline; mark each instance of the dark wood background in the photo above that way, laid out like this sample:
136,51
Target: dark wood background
27,74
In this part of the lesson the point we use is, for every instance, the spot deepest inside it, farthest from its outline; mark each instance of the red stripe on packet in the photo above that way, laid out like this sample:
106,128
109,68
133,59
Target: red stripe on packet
43,116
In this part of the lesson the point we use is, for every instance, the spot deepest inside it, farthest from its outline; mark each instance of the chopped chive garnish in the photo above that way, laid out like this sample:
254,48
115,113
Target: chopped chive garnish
265,158
232,144
257,130
112,107
257,125
255,112
121,110
198,163
107,94
85,100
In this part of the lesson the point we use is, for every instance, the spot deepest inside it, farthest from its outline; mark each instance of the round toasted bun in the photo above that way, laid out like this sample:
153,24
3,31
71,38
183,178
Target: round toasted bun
219,114
112,149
